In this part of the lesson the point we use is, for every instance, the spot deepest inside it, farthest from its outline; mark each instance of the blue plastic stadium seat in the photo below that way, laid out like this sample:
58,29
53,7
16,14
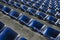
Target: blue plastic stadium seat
6,10
1,25
8,34
32,11
23,1
42,8
29,4
24,8
39,2
5,1
18,0
58,14
24,19
51,11
45,5
52,7
36,5
33,1
36,25
11,2
47,2
16,4
58,9
52,4
1,6
50,32
41,15
58,5
22,38
14,14
51,19
42,0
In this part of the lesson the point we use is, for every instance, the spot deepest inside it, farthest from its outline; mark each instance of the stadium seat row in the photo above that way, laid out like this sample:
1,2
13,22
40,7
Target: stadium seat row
44,7
34,24
58,5
32,1
46,2
7,33
32,11
12,13
38,3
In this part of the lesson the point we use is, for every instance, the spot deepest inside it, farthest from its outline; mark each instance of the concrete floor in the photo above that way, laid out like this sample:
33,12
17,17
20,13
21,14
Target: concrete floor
22,29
